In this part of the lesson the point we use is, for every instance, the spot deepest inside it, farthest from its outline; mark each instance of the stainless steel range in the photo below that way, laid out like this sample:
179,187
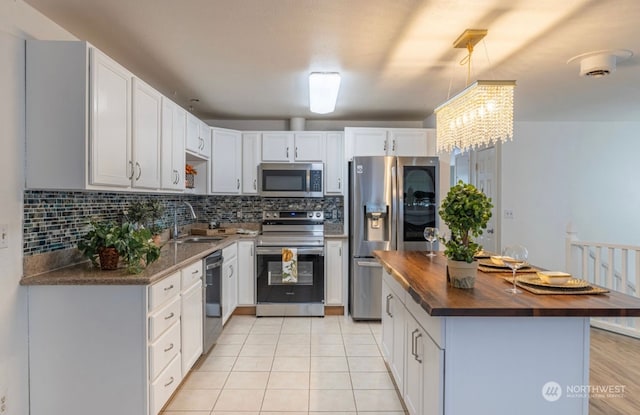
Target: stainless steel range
290,264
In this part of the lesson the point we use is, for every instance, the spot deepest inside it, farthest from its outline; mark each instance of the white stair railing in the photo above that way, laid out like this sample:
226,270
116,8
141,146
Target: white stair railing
614,266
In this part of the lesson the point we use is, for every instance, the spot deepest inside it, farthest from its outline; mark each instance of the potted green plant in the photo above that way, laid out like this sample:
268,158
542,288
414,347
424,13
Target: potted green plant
466,211
106,242
146,214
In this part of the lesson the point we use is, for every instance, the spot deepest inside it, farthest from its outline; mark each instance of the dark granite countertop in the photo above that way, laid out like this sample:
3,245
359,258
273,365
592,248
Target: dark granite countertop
173,257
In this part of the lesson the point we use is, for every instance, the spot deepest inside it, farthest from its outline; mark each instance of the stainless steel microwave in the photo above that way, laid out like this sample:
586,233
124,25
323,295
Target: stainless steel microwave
290,179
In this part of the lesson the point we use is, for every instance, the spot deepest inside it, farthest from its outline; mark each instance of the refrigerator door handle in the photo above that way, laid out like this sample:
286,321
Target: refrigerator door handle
394,207
370,264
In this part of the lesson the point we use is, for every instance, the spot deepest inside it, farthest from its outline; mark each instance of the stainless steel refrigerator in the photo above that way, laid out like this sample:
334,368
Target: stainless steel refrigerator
391,201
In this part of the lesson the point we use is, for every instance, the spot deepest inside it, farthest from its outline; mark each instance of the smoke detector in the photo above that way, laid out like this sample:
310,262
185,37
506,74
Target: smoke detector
600,63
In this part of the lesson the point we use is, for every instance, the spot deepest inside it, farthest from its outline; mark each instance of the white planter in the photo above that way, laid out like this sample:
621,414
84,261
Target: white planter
461,274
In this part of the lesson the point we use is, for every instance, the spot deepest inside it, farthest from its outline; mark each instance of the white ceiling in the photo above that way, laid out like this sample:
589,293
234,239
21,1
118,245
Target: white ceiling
249,59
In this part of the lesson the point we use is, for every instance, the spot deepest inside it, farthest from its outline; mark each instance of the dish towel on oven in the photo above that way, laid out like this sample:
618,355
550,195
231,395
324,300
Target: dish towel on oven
289,265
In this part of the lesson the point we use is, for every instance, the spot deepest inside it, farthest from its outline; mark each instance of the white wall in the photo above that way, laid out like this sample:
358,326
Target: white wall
560,172
17,22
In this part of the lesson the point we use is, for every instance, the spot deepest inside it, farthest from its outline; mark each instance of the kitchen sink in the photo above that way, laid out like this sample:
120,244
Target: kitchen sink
199,239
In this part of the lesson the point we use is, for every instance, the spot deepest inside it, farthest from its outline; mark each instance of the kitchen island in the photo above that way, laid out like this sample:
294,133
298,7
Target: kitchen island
485,351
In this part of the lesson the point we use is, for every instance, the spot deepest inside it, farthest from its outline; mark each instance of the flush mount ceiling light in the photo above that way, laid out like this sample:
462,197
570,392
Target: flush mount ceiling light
481,114
600,63
323,91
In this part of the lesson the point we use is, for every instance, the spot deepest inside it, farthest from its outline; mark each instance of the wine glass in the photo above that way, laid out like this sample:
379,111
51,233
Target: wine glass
431,235
515,257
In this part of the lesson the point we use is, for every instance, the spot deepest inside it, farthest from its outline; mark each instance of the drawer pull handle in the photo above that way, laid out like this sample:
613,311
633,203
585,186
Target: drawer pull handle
170,382
169,316
290,293
196,271
389,297
168,288
169,348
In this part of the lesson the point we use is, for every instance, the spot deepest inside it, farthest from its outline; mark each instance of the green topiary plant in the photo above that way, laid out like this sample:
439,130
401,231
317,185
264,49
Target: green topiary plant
132,244
466,211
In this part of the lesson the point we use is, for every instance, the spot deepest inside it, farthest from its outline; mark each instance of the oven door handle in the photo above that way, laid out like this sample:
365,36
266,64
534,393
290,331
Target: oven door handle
278,251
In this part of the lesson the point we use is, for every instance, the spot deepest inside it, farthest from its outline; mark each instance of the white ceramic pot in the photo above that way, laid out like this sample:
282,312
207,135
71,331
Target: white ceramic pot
461,274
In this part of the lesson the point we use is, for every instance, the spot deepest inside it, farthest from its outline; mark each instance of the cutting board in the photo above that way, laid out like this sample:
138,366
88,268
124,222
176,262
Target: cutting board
213,232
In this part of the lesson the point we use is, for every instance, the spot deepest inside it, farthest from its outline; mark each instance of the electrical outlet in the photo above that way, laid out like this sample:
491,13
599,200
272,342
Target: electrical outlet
508,214
4,236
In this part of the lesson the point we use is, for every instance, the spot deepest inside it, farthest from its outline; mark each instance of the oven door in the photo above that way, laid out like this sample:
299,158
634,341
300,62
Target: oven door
309,287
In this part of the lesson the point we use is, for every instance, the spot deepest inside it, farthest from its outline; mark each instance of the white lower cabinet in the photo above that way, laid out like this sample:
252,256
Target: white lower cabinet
415,359
191,315
112,349
335,271
229,281
246,273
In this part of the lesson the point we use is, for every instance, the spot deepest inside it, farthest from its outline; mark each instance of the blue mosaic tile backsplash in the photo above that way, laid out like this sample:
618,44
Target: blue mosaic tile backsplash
57,220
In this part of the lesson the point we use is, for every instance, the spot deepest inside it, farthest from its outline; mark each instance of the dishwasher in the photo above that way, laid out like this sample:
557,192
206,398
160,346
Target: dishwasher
212,296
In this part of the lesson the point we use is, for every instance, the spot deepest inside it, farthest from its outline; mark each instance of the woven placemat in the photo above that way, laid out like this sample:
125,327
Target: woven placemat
486,268
557,291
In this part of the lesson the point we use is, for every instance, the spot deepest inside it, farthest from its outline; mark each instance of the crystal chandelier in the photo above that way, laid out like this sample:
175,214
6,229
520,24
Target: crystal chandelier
480,115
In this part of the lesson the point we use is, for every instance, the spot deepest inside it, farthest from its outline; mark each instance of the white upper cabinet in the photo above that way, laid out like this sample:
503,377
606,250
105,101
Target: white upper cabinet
335,164
147,110
226,161
277,146
198,140
205,138
410,142
309,146
110,133
250,161
292,147
172,157
78,118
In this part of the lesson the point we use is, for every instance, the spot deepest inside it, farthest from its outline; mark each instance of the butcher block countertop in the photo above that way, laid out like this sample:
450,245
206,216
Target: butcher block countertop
425,280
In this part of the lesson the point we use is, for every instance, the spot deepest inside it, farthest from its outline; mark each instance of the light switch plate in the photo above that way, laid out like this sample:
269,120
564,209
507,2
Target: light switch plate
4,235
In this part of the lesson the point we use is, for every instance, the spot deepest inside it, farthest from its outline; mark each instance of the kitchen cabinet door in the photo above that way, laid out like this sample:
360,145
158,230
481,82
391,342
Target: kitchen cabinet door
365,142
110,132
205,134
246,273
309,146
335,268
172,150
393,333
226,161
410,142
193,142
191,326
229,281
250,162
147,109
277,146
335,164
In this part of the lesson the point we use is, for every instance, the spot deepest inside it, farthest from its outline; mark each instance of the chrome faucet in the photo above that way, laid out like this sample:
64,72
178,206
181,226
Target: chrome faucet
176,232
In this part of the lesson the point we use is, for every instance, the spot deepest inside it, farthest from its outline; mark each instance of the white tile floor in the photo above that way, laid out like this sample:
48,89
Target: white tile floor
297,365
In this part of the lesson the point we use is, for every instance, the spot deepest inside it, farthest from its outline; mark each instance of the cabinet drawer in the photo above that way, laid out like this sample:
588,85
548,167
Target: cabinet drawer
162,319
163,350
397,289
162,388
191,274
164,290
